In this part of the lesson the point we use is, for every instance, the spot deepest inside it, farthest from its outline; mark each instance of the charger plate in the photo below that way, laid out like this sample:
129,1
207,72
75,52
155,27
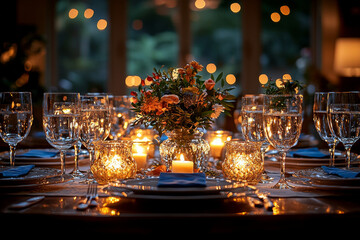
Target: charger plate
148,186
320,177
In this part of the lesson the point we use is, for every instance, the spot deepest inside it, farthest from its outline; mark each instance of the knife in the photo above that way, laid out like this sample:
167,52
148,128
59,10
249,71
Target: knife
29,202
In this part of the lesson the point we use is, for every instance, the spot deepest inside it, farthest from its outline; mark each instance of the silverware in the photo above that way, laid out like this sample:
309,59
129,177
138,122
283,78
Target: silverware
90,200
267,203
24,204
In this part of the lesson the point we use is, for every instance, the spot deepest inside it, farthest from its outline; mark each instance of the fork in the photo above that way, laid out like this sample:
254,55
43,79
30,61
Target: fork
90,200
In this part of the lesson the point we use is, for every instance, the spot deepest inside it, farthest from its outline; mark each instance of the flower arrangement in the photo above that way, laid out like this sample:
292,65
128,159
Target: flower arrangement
180,99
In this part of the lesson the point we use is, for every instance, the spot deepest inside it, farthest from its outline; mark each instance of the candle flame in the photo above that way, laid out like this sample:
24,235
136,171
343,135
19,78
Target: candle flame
182,157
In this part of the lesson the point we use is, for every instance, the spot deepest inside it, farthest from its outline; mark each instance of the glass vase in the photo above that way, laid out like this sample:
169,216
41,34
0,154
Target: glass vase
191,145
113,161
242,161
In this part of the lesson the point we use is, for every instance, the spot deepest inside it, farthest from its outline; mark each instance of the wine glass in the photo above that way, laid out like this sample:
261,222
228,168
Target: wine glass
120,115
252,126
344,118
282,126
61,112
321,122
15,119
94,122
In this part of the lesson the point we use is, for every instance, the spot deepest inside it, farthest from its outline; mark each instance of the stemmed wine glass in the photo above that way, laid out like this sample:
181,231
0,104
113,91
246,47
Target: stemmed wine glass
344,118
252,126
15,119
95,122
120,115
282,126
321,122
61,112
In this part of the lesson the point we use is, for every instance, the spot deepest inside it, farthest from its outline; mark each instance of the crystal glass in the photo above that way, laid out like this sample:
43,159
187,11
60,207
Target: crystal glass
113,161
252,125
321,122
217,141
61,112
242,161
192,146
344,117
282,125
120,115
15,119
94,121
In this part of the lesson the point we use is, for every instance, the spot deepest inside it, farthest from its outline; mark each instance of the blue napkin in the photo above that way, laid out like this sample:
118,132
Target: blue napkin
308,153
38,153
341,172
16,171
182,180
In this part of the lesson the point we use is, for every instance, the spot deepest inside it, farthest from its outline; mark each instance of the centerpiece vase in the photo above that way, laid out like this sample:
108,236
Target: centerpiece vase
191,145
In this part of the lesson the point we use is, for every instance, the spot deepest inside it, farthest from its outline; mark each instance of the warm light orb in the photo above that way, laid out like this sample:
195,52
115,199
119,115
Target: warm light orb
73,13
200,4
286,76
285,10
89,13
230,79
235,7
275,17
279,83
101,24
211,68
263,78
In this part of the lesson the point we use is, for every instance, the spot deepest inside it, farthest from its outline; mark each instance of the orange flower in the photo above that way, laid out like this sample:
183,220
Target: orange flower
196,66
209,84
170,99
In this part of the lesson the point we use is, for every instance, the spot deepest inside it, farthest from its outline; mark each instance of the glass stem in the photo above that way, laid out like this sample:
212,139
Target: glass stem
77,148
332,146
62,159
282,165
348,156
12,155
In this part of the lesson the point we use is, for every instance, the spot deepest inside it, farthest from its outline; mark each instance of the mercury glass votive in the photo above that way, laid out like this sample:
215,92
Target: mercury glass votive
242,161
113,161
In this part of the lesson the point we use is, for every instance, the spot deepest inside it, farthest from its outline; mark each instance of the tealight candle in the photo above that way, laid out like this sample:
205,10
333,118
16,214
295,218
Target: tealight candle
182,166
139,151
216,147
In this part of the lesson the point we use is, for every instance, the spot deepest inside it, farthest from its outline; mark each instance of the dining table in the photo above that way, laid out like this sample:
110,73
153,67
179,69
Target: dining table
302,211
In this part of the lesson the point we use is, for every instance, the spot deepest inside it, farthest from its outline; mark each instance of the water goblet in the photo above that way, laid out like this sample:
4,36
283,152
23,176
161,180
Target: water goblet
344,118
61,112
253,128
320,117
15,119
94,122
282,126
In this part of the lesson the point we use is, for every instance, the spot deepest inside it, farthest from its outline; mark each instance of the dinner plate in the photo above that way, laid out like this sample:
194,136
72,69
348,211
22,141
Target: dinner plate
36,174
42,161
39,183
148,186
320,177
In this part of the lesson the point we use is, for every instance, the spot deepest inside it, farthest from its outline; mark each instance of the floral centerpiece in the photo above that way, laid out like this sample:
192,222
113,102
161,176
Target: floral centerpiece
179,99
178,102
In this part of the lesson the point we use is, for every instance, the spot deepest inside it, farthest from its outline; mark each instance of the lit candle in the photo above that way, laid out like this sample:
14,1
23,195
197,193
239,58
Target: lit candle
216,147
140,155
182,166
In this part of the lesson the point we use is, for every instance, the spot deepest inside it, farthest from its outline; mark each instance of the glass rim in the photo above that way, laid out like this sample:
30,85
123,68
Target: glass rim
16,92
61,93
283,95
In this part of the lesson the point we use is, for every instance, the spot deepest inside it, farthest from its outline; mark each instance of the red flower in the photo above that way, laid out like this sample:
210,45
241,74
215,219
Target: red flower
133,94
150,79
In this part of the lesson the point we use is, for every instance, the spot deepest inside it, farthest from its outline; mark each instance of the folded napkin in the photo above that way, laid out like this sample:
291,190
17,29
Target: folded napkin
182,180
37,153
341,172
16,171
307,153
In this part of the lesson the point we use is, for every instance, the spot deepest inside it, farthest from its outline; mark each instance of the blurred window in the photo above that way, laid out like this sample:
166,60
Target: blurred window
82,45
